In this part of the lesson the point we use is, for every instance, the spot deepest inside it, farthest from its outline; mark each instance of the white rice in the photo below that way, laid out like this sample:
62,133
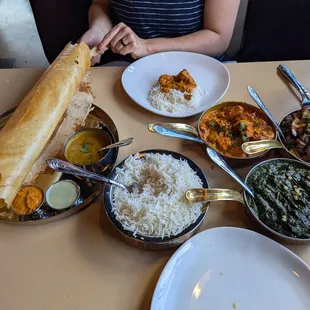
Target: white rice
174,100
159,208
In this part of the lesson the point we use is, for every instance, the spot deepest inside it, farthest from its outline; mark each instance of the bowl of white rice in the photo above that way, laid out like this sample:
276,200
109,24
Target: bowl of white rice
157,214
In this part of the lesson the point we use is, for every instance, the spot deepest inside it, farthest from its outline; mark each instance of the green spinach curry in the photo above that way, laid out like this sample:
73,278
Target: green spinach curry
282,197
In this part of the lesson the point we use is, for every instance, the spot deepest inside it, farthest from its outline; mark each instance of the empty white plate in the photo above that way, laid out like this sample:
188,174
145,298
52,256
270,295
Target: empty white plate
211,75
232,268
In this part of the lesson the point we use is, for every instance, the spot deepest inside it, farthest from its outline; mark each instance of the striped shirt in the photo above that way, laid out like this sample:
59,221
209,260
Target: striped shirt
160,18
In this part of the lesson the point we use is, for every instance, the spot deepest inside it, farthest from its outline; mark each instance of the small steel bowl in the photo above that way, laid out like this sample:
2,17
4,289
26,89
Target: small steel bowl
154,243
286,152
231,160
67,180
274,234
33,211
103,163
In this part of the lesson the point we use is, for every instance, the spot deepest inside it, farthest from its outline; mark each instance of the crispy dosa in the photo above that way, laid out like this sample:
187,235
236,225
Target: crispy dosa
29,129
75,115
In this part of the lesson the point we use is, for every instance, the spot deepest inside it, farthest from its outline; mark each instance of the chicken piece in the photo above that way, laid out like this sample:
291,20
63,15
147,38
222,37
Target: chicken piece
182,82
223,143
166,82
187,80
233,112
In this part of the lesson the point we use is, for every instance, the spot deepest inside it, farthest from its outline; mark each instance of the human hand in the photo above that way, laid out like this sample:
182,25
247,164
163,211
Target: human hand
122,40
92,37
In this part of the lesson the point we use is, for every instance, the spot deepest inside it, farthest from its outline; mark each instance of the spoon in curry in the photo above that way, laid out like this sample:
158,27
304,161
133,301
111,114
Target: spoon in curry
68,168
121,143
260,103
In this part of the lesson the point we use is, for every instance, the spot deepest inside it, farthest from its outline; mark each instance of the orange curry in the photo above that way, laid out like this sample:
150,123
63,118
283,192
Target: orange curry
229,126
182,82
27,200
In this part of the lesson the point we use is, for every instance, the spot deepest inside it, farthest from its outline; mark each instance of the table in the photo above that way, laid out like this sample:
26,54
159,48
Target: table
73,263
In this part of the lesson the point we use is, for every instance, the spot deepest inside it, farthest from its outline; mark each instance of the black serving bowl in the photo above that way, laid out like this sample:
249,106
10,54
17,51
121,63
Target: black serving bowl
154,243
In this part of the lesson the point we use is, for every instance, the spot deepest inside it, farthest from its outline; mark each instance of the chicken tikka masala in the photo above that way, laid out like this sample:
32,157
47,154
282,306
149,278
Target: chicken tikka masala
229,126
182,82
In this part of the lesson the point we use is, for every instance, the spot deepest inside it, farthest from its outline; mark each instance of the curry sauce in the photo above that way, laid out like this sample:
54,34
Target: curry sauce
226,128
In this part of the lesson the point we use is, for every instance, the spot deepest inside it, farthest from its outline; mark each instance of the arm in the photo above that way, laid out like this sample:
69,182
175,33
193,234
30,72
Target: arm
219,20
98,16
99,25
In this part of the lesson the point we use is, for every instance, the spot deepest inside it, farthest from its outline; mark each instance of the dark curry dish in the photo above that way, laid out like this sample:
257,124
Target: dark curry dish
226,128
282,197
296,129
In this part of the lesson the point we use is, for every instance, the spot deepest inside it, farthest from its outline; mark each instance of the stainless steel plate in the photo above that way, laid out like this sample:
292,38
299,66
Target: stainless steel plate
89,190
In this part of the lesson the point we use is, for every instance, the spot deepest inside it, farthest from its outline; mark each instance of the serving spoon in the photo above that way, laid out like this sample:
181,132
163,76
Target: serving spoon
254,147
68,168
121,143
260,103
195,195
214,156
304,93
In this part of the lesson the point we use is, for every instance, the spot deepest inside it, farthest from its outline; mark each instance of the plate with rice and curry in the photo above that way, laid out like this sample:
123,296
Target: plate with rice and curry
176,84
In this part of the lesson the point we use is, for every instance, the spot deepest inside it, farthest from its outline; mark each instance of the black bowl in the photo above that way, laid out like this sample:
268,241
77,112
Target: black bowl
154,243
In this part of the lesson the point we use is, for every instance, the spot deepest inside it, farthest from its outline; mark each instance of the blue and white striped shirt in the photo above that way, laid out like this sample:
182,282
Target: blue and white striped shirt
160,18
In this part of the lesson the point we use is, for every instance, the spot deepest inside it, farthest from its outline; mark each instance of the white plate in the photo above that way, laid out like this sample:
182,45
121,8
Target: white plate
209,74
231,268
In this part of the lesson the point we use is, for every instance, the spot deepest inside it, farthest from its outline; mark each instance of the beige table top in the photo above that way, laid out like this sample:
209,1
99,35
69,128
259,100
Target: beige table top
72,263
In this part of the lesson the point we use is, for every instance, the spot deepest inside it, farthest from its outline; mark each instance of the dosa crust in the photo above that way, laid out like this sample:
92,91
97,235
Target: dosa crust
31,126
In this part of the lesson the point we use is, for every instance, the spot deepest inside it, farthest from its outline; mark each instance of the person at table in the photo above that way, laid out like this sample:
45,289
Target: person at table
146,27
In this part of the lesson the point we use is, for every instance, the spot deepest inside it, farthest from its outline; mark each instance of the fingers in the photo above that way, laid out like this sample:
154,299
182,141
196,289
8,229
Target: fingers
110,35
118,41
130,45
119,36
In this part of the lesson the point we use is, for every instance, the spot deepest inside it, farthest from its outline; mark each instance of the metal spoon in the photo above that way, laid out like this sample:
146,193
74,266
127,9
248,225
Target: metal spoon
215,157
167,132
254,147
121,143
65,167
222,164
212,194
305,95
259,102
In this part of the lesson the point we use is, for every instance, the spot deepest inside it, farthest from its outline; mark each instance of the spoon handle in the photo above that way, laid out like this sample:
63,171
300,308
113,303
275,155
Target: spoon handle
212,194
222,164
254,147
121,143
167,132
259,102
177,127
68,168
291,78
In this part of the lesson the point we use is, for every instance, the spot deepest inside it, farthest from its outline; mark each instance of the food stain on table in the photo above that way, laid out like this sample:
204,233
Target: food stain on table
82,149
27,200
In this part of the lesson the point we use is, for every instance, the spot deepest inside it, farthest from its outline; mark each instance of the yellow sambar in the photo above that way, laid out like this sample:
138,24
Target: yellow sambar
82,148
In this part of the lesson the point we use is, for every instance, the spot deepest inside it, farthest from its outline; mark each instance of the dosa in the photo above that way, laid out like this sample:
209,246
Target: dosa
31,126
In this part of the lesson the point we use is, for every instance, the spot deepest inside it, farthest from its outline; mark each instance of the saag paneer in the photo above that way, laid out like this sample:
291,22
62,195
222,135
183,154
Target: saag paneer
282,197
